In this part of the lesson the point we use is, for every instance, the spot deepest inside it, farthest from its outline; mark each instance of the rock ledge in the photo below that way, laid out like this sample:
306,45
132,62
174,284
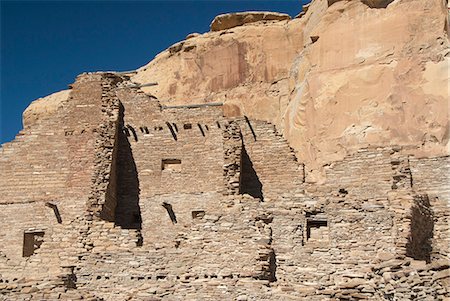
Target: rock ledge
227,21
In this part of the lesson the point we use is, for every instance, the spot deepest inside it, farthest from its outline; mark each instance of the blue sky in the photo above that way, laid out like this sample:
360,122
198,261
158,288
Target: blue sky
46,44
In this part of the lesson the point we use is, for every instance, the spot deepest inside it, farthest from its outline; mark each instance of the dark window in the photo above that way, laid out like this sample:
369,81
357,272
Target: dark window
198,214
317,229
171,165
32,240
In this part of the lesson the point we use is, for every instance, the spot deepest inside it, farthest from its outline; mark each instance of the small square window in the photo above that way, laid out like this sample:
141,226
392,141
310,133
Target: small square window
32,240
187,126
317,229
171,165
198,214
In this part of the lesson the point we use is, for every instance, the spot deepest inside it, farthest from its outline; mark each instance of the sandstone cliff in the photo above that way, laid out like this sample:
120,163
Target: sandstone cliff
373,77
345,75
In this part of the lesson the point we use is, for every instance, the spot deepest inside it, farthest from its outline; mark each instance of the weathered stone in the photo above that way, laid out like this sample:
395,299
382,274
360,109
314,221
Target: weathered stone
227,21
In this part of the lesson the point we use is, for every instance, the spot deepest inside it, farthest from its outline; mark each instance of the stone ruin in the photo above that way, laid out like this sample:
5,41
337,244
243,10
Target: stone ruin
117,197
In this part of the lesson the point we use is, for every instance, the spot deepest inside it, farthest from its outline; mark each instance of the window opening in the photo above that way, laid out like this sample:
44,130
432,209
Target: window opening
317,228
198,214
32,240
171,165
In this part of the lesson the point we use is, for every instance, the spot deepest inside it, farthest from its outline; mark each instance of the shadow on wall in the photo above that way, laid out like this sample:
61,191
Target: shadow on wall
128,212
249,182
419,245
273,267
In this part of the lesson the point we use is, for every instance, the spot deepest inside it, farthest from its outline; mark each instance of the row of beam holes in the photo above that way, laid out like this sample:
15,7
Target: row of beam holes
7,281
163,277
144,130
172,127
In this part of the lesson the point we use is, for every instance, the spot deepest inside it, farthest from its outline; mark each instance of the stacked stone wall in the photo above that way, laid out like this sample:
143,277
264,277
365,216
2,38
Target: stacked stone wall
51,162
230,243
175,227
369,173
270,159
192,136
232,145
102,200
430,175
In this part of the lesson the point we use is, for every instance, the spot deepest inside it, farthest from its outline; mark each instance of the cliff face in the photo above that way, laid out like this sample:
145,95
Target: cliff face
373,77
345,75
246,67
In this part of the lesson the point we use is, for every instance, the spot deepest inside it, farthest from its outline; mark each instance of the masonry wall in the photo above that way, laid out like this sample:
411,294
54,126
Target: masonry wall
178,230
230,243
353,233
267,161
193,136
50,162
369,173
102,201
33,215
430,175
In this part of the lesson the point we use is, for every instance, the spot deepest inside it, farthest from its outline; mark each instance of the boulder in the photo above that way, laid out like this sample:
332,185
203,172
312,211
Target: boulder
43,107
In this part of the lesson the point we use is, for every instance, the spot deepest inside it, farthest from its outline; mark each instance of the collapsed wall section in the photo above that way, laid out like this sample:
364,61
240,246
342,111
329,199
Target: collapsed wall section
102,200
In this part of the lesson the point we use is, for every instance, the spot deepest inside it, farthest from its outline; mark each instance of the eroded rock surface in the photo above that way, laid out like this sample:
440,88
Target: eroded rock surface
246,67
373,77
227,21
45,106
